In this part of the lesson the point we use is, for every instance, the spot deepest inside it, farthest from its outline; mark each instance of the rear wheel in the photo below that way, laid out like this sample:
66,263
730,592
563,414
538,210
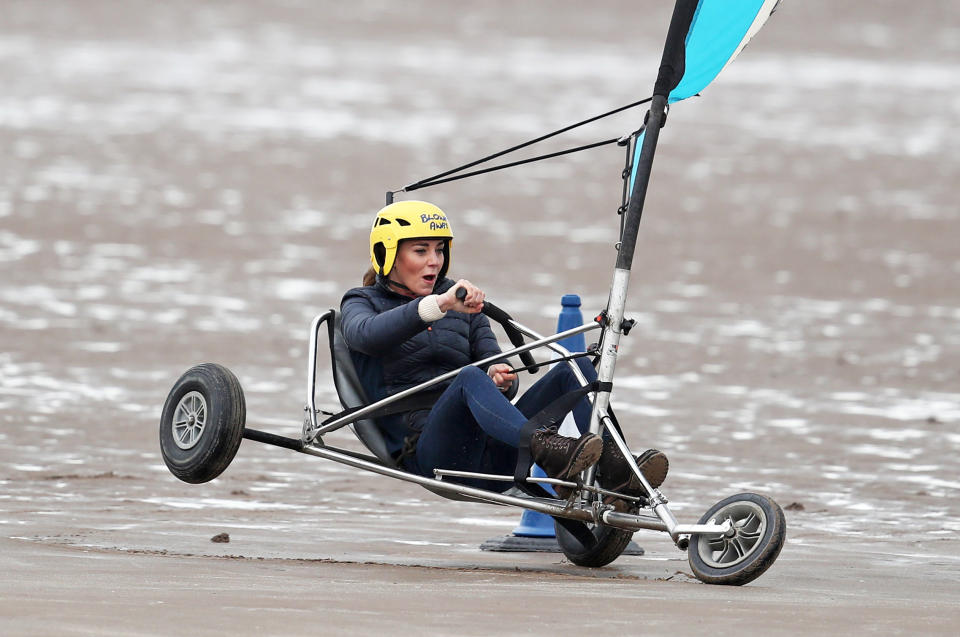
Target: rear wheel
748,550
202,423
610,543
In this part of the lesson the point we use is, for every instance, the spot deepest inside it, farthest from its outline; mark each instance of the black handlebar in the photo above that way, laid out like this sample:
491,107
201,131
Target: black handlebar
494,313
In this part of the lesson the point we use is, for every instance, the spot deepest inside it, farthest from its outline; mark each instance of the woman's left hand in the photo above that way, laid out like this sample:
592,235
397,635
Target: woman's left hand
502,375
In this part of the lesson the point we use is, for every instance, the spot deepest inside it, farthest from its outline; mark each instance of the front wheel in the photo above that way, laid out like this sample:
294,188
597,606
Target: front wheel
748,550
202,423
609,543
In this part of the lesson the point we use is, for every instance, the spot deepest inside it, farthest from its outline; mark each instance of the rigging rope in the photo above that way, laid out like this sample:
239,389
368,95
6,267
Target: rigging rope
445,177
592,351
519,162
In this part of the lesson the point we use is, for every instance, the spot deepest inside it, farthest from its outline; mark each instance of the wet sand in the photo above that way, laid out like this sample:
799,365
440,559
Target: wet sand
111,592
186,184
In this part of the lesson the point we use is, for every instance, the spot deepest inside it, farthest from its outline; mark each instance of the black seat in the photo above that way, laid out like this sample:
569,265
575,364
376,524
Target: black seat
358,380
350,386
355,377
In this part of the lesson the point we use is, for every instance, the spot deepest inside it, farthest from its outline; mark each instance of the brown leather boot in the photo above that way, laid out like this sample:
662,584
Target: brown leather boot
615,474
562,457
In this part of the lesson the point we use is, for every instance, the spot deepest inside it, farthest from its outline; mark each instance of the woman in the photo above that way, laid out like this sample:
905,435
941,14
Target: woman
408,319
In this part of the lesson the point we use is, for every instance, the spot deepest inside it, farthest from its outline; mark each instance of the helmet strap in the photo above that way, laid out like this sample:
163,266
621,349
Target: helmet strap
390,282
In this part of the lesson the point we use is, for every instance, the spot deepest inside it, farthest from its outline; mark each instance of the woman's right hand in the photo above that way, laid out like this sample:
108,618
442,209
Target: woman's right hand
472,303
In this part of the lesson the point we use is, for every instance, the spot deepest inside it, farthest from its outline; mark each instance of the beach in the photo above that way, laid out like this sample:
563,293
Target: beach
195,182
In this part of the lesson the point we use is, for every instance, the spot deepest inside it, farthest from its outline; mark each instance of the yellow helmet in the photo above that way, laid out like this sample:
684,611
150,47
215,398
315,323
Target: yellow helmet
407,220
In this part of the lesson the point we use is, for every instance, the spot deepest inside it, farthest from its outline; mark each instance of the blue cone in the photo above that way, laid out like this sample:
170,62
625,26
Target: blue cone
533,524
535,533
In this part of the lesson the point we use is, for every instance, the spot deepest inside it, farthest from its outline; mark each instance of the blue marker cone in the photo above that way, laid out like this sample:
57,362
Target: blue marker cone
536,533
533,524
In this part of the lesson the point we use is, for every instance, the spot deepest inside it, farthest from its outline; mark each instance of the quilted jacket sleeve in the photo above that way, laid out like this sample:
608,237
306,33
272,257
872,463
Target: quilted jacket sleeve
374,333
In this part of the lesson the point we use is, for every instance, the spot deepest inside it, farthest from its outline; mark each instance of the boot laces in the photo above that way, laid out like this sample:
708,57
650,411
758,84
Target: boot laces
553,440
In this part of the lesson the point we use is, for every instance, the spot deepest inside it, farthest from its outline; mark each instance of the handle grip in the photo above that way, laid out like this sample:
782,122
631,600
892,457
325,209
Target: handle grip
494,313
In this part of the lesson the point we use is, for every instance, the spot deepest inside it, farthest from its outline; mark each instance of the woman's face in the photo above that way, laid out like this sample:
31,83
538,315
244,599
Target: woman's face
417,264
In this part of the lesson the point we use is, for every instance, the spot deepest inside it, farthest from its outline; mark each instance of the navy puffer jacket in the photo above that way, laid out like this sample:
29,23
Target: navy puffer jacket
384,325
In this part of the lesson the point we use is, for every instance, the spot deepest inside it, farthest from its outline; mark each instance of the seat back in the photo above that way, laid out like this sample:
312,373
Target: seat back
355,377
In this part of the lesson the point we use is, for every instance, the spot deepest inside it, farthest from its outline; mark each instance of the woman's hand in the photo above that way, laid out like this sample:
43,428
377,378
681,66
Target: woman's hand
471,304
501,375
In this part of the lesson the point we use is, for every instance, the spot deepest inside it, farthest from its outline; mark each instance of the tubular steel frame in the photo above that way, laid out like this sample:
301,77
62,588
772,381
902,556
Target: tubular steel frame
312,444
611,321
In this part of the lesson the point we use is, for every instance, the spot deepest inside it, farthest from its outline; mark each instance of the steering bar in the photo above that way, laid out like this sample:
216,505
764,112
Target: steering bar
494,313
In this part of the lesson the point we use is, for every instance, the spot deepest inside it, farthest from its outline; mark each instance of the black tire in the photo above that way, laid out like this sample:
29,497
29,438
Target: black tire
611,542
760,531
202,423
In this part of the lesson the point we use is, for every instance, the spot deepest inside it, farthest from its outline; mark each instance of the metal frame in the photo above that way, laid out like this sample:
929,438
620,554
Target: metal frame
311,407
556,508
612,323
571,509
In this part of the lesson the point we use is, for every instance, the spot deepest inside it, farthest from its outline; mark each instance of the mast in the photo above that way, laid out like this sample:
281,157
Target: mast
671,70
672,67
631,225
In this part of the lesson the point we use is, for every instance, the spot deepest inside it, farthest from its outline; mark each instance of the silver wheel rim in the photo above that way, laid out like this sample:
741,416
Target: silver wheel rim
749,524
189,419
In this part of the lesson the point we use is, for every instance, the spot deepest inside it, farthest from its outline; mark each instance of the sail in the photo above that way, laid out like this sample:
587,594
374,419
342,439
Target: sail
716,33
704,37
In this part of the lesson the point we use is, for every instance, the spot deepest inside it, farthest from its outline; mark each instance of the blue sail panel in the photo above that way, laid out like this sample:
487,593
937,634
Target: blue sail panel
635,160
702,41
718,32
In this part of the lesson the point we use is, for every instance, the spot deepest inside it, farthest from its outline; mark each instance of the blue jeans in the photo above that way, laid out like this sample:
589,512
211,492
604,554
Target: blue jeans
473,427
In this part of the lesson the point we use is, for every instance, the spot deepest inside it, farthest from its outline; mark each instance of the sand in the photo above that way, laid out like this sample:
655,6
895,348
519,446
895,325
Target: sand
186,183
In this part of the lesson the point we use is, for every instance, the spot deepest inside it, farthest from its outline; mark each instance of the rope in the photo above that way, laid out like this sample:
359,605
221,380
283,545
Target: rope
589,352
520,162
630,144
438,178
